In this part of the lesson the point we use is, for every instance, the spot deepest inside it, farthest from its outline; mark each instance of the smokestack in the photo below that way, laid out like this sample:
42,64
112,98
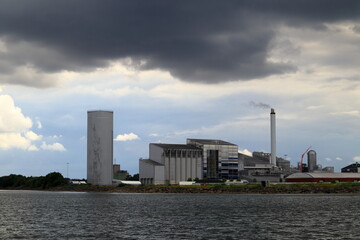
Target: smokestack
273,137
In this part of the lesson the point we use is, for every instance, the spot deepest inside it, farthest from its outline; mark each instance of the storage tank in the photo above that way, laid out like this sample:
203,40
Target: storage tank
311,160
100,147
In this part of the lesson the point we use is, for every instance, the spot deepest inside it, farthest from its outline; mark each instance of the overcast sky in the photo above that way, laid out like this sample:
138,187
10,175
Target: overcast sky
172,70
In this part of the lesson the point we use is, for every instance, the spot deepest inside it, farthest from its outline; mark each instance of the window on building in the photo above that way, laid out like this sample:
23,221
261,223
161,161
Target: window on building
212,163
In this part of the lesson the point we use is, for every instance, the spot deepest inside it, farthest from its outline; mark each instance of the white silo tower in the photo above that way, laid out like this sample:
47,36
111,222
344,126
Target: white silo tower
100,147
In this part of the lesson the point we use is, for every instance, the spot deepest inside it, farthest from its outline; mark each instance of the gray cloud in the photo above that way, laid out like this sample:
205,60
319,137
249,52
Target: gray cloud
356,28
207,41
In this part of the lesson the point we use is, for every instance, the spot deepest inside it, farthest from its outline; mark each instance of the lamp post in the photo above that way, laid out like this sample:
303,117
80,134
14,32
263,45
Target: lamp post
67,170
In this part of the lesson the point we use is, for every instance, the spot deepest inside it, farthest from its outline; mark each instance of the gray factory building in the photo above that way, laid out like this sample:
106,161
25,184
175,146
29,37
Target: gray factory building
258,167
170,164
220,158
100,147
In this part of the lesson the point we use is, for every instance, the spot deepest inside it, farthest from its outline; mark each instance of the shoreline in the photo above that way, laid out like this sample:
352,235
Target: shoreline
323,188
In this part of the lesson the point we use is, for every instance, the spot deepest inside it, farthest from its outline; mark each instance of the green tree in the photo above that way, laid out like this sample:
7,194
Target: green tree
135,177
54,179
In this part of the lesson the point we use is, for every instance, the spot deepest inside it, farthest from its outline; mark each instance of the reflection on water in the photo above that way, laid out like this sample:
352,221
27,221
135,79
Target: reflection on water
66,215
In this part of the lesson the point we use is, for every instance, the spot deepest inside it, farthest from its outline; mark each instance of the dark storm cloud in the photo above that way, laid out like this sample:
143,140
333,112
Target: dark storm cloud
209,41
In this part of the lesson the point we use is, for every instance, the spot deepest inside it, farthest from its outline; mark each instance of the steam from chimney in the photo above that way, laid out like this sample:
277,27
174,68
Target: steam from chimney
259,105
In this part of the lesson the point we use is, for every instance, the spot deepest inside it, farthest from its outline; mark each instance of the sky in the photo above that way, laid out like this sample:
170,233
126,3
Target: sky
172,70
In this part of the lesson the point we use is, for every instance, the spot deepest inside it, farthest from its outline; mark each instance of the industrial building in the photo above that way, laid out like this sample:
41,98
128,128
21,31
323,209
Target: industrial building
198,159
119,174
100,147
323,177
258,167
220,158
328,169
355,168
170,164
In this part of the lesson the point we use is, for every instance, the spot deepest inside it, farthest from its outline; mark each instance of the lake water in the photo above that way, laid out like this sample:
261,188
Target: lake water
68,215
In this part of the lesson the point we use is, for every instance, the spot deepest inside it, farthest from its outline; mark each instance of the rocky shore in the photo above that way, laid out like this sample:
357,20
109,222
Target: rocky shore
338,188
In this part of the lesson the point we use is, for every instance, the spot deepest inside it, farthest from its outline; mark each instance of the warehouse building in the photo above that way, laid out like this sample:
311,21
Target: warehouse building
323,177
170,164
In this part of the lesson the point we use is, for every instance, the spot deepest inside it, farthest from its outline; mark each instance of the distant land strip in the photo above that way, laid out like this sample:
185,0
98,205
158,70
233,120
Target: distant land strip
330,188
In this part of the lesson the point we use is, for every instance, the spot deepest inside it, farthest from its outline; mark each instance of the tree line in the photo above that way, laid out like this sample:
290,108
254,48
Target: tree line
53,179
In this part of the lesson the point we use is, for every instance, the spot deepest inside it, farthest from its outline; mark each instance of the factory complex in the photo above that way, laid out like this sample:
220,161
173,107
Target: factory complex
201,160
198,159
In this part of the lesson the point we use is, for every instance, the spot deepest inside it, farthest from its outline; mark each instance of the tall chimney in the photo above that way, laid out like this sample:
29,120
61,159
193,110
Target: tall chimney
273,137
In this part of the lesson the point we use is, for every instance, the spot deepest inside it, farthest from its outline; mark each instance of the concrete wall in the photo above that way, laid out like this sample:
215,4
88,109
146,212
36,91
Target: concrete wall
155,153
159,175
151,172
146,170
100,147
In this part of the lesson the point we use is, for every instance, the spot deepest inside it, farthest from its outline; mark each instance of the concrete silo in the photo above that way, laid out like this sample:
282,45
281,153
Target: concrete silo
311,160
100,147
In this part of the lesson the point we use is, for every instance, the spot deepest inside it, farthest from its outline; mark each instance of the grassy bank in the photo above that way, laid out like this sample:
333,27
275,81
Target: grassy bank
220,188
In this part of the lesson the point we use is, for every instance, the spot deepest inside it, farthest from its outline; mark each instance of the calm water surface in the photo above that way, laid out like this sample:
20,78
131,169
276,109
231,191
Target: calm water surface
67,215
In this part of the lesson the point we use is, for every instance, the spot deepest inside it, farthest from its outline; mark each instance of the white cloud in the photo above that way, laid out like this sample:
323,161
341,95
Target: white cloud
314,107
39,125
12,119
15,127
154,135
14,140
32,136
356,159
246,152
53,147
33,148
355,113
126,137
338,159
328,159
55,137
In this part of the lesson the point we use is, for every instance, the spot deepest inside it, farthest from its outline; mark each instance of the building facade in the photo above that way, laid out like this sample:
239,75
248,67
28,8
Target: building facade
219,158
151,172
100,147
170,164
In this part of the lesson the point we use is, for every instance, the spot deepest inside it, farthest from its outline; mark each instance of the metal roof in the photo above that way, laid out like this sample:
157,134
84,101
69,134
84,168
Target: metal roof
251,161
149,161
90,111
210,141
176,146
352,165
323,175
